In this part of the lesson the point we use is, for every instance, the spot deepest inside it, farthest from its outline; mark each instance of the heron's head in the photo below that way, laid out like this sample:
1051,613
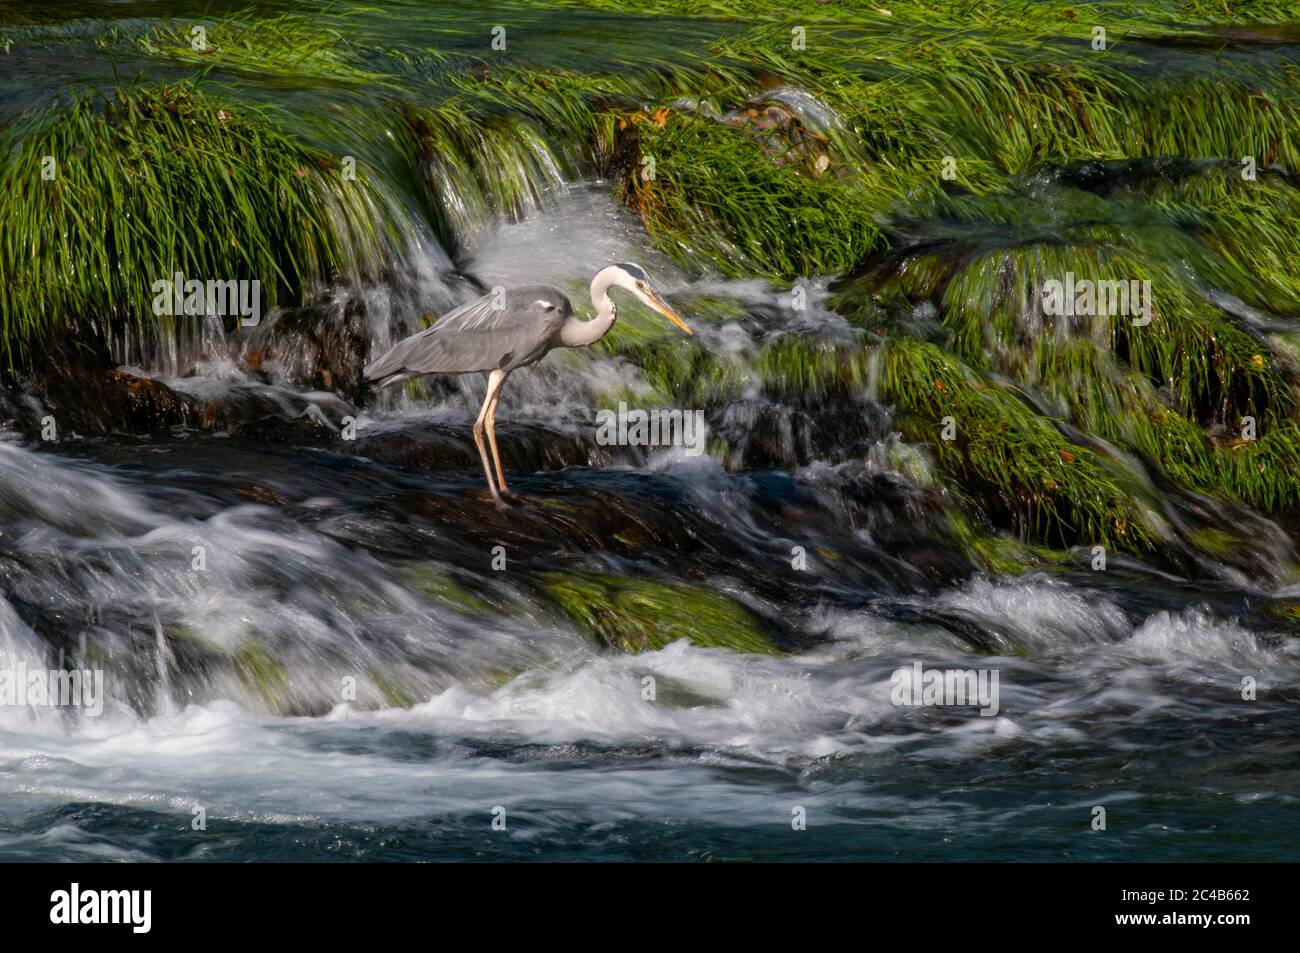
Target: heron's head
635,280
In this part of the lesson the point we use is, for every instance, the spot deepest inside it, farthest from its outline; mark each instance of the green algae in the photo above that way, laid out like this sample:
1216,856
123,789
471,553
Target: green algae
639,615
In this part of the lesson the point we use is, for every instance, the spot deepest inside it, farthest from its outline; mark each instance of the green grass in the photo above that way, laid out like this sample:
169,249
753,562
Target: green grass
291,46
157,180
1012,461
718,195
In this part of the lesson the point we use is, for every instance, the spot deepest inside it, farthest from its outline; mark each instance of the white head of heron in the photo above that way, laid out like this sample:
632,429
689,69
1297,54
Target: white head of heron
634,279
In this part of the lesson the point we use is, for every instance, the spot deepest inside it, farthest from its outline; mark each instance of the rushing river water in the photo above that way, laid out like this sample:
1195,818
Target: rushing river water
322,642
1119,689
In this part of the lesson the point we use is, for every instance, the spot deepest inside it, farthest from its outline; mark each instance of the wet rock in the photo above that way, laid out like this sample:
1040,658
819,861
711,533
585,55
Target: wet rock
324,346
1220,539
791,125
782,136
85,396
524,448
862,532
761,433
638,615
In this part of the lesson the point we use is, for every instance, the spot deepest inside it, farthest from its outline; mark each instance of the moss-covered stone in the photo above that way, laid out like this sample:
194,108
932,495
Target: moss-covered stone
395,693
638,615
1285,610
429,581
261,674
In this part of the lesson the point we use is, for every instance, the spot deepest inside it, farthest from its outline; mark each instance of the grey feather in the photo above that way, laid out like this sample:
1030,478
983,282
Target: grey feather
489,333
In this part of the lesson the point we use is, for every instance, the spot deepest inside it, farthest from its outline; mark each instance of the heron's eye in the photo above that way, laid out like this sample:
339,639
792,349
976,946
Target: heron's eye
640,286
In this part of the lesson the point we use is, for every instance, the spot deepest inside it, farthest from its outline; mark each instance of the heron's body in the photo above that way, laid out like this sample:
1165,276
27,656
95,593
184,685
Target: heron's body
481,336
502,331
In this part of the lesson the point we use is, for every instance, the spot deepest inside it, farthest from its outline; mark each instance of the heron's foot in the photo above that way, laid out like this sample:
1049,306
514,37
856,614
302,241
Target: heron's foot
512,496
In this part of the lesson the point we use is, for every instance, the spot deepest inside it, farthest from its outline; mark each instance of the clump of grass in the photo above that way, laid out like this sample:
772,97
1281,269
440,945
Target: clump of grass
159,180
792,367
478,169
1238,235
1177,390
1018,463
502,138
716,192
1212,369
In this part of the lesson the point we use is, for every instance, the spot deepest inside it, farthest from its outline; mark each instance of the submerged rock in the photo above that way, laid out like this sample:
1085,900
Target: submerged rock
637,615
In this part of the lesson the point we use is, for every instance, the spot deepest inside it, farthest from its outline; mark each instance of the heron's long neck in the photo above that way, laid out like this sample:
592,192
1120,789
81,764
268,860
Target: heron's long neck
578,333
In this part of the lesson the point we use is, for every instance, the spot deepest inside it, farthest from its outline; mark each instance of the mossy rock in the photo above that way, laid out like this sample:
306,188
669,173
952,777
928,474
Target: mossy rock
261,674
430,582
1285,610
1216,542
999,553
394,692
638,615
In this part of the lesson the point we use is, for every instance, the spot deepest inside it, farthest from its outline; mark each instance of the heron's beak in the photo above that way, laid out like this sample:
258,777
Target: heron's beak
656,302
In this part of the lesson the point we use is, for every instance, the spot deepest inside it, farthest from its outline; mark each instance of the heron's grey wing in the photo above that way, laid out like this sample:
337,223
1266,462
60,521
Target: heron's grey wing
428,348
483,335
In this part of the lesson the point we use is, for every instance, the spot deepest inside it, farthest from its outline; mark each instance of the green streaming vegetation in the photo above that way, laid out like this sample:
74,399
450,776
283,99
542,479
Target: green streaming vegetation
155,181
946,159
1007,456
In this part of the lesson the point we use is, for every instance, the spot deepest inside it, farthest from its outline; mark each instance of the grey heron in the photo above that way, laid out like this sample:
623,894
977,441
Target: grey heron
504,330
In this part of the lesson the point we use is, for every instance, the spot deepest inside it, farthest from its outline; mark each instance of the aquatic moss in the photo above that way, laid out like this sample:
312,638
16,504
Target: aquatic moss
430,582
997,552
639,615
261,674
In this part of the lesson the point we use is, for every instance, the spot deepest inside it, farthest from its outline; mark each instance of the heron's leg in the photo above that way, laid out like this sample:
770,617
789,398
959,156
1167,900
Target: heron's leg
492,432
494,386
